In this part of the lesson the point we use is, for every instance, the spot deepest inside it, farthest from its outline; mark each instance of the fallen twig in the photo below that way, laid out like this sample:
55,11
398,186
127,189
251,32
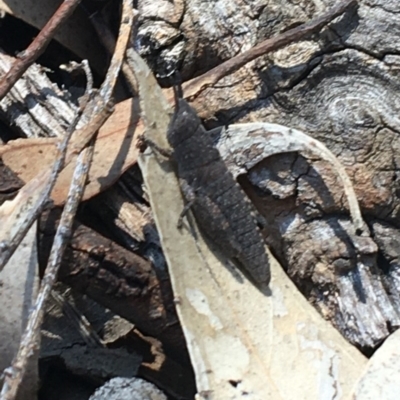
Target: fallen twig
14,375
194,87
120,49
37,47
7,248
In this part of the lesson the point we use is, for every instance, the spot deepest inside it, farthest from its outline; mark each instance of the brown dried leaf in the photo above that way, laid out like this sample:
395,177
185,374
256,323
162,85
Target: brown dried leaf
115,151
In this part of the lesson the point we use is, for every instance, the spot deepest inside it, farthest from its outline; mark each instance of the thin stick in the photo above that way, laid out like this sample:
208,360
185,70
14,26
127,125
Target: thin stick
15,374
124,35
8,249
195,86
27,57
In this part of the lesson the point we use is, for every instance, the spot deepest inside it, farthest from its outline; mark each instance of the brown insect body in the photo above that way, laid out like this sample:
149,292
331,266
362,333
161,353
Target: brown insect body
220,206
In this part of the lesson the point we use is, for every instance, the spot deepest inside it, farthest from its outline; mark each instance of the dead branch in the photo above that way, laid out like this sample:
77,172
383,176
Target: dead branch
15,374
37,47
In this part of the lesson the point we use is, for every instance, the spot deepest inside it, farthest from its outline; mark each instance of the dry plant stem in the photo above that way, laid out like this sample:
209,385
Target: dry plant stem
87,132
194,87
107,87
14,375
27,57
108,41
8,249
319,148
124,35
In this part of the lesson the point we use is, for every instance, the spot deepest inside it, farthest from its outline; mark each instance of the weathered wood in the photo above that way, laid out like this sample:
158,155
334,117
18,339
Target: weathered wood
339,86
116,348
120,280
33,111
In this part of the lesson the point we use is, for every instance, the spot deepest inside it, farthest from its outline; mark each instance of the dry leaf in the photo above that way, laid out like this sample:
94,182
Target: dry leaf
241,339
262,140
381,378
18,288
115,151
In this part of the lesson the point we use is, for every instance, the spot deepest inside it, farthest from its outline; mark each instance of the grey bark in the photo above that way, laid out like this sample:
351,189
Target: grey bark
340,87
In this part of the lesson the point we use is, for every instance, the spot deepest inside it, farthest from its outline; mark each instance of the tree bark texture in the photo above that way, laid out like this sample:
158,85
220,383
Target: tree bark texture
338,86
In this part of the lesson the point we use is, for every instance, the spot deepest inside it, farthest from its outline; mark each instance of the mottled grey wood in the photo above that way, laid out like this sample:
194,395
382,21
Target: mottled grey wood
342,88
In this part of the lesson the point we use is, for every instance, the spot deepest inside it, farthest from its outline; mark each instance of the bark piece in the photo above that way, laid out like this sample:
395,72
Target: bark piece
62,340
35,105
121,281
337,271
119,348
